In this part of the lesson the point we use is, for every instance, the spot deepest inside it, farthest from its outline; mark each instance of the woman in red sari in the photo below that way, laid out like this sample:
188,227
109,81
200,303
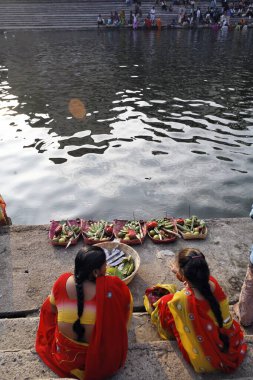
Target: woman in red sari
197,316
83,323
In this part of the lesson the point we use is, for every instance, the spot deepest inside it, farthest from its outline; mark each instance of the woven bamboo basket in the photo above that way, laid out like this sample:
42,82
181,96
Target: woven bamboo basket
119,224
89,241
54,224
201,236
169,239
128,251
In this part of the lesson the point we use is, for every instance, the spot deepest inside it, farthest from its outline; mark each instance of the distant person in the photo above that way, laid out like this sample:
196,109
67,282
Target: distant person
82,330
225,5
251,212
198,15
137,9
100,20
131,18
192,3
208,16
122,17
147,22
110,19
181,15
224,27
197,316
116,19
135,22
238,27
164,5
249,12
152,15
159,23
239,11
244,308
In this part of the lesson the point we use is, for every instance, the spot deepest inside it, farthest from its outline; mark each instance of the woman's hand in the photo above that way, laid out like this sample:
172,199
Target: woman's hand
173,267
175,270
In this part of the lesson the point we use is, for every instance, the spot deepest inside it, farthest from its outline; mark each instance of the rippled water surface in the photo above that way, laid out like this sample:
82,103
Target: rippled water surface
107,124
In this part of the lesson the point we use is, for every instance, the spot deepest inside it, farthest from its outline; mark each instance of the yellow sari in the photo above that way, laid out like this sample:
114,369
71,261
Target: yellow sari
191,321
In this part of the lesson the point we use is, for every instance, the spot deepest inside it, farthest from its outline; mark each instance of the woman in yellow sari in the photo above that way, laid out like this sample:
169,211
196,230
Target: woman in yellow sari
197,316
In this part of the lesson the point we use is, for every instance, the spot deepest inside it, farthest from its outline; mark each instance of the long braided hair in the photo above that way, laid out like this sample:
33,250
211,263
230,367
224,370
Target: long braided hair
193,266
86,261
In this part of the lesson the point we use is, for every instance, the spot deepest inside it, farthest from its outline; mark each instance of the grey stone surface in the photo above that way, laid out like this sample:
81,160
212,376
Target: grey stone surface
148,356
155,360
29,264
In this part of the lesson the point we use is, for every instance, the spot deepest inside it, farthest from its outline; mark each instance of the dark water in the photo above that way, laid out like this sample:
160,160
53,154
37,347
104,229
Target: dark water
169,124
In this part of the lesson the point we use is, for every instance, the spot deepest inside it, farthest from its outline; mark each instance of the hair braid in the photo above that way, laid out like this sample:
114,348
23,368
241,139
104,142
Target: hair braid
77,327
207,293
86,261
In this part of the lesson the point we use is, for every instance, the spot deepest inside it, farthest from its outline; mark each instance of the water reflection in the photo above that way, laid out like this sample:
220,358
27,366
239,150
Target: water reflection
126,121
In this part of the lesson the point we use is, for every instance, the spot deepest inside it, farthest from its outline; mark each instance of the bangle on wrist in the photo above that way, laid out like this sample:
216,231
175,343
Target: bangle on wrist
179,277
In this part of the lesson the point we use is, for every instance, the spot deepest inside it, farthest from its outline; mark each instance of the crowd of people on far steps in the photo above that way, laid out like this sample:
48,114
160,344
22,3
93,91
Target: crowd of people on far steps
184,13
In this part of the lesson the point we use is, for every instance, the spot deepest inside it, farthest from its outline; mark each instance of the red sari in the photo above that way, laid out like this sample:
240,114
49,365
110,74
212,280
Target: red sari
107,351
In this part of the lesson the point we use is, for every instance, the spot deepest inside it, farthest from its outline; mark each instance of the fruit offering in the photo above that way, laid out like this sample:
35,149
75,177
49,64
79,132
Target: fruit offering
119,264
192,228
95,232
162,230
130,232
65,232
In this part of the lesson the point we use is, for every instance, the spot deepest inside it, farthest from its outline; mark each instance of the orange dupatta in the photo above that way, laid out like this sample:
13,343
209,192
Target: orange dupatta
108,349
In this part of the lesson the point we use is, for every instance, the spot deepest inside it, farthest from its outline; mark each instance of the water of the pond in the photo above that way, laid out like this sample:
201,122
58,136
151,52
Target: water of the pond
168,124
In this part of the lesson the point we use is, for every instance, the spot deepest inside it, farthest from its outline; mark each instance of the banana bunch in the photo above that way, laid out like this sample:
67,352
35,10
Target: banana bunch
123,270
127,266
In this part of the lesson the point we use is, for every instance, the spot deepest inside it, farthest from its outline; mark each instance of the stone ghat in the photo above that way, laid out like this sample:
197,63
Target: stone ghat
29,265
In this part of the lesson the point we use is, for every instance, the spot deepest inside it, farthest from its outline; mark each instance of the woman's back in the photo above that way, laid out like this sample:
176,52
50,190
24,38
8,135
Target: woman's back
83,323
198,316
64,297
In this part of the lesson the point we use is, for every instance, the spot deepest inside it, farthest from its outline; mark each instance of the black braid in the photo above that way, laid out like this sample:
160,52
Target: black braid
194,267
77,327
86,261
207,293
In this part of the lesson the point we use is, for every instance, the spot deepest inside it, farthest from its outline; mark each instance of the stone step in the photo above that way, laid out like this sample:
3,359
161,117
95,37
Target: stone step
62,23
71,14
159,360
46,27
19,333
148,357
